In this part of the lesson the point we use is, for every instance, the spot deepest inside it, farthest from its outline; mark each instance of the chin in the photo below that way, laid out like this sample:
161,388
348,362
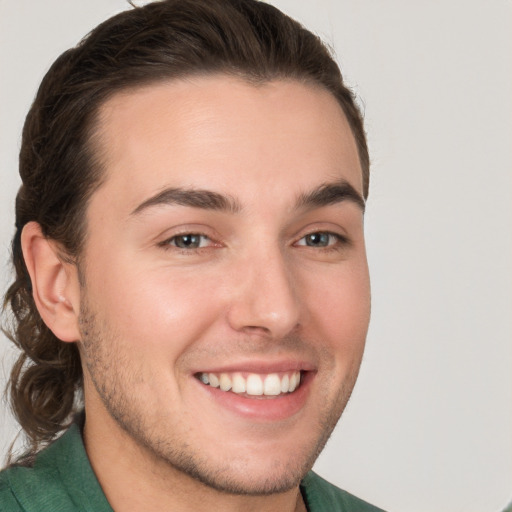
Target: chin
253,469
250,480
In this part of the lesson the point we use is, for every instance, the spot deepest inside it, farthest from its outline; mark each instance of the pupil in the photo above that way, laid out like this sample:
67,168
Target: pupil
316,239
186,241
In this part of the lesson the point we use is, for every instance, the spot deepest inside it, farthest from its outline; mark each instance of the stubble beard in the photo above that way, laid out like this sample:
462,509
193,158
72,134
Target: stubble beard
114,382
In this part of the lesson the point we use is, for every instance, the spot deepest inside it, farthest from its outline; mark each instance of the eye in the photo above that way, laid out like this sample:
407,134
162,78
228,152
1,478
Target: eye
321,239
188,241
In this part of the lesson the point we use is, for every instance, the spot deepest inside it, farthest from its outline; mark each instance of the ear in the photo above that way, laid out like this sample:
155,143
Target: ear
55,284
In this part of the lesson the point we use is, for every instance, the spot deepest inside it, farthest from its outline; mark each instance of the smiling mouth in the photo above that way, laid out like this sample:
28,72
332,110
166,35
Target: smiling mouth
253,384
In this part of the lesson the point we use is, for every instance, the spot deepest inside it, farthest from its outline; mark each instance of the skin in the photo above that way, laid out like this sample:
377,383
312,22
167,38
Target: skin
150,315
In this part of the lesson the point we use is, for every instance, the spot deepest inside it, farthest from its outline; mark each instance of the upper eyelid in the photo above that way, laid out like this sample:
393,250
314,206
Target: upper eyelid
327,225
312,231
171,233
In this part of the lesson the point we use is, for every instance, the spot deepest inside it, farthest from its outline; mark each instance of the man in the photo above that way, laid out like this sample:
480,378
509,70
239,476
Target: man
192,294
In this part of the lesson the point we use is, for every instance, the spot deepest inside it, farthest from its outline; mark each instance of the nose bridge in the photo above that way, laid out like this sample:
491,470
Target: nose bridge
267,299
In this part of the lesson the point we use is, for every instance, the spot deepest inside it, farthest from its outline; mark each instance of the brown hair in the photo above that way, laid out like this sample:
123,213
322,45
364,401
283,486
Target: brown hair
59,170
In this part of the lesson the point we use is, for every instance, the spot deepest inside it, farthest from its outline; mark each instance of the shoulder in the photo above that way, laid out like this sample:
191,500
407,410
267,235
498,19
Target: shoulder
60,479
8,501
322,496
32,487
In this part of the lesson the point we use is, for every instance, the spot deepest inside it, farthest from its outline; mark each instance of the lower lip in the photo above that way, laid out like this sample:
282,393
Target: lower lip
263,408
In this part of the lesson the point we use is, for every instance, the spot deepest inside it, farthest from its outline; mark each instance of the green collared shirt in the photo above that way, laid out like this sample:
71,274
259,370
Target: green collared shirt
62,480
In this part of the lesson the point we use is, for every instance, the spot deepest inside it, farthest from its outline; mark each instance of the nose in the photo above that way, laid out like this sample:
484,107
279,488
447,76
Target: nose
266,301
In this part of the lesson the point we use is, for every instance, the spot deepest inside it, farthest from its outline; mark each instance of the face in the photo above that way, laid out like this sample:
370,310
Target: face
225,297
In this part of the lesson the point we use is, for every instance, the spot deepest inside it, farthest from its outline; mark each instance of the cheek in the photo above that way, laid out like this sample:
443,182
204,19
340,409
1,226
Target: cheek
339,305
163,308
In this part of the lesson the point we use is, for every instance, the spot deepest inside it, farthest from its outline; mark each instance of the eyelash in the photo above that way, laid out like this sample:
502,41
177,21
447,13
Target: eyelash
168,243
340,242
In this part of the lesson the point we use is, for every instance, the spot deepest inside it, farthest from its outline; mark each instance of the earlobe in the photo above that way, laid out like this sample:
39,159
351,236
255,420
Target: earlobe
55,285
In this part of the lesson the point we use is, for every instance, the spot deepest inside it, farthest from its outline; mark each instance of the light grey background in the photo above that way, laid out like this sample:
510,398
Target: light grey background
429,427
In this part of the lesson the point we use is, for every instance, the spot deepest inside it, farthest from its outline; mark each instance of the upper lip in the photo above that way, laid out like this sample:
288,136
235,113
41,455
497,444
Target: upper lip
260,366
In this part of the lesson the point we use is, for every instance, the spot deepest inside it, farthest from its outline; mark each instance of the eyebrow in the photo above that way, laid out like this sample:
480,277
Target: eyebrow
324,195
331,193
195,198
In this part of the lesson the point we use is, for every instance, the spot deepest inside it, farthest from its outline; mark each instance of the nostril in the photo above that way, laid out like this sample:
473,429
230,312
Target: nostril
255,329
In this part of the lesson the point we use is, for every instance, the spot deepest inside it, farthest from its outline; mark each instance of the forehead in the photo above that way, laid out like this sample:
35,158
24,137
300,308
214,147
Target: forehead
224,134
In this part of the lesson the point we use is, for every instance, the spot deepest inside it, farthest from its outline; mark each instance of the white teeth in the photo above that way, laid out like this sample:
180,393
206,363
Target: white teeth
285,384
294,381
225,382
254,384
238,383
214,381
272,385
